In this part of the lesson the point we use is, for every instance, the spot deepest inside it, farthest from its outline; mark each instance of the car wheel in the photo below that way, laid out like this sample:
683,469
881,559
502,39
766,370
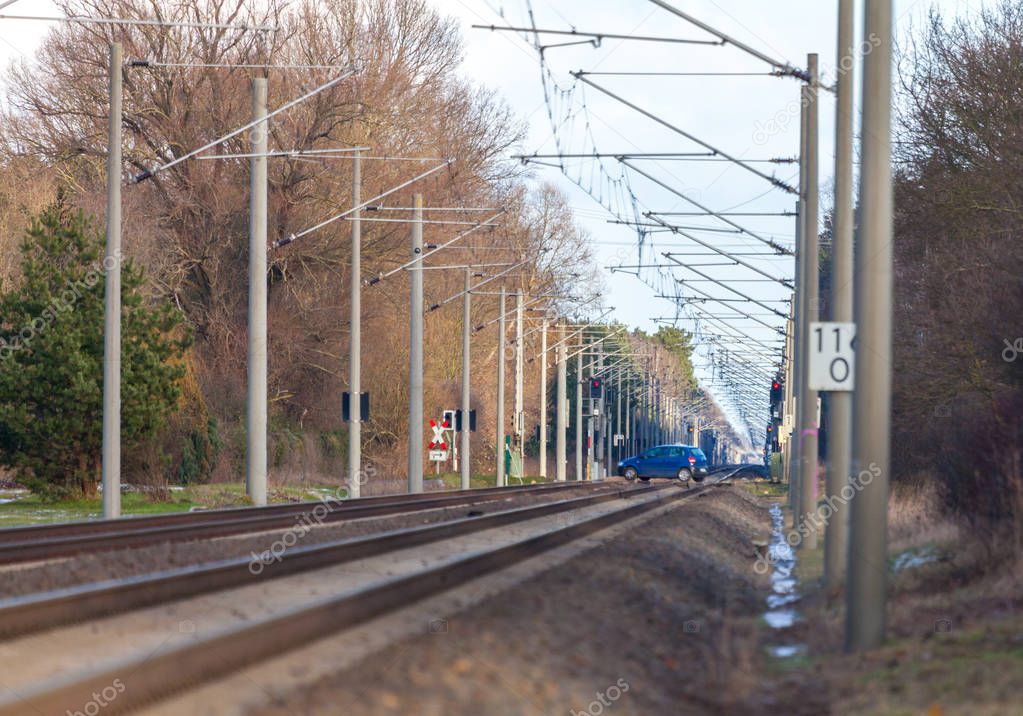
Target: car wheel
630,473
684,474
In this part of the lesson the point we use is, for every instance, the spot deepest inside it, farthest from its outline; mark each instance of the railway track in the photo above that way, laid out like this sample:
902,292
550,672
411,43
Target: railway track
41,542
172,665
21,615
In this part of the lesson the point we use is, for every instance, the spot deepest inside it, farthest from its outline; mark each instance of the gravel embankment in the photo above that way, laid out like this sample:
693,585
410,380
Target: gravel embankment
662,621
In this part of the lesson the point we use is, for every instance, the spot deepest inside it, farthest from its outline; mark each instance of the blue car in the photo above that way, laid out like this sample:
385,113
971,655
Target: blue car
683,462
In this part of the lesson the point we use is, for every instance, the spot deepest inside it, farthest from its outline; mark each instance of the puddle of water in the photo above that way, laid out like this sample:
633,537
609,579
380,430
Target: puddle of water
914,558
787,652
782,559
780,618
780,600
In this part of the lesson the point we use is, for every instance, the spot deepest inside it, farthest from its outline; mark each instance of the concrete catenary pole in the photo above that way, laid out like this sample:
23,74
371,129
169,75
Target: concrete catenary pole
871,447
501,353
256,415
618,417
608,429
789,379
629,431
641,417
808,428
840,403
658,417
415,353
355,340
579,475
591,428
519,417
795,491
598,422
465,464
562,413
112,301
543,399
797,342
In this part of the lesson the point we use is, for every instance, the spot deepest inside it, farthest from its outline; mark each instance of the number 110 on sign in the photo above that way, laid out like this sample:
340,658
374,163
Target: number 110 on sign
832,356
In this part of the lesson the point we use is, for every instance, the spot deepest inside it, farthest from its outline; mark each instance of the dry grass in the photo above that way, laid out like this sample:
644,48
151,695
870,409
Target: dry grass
915,518
955,624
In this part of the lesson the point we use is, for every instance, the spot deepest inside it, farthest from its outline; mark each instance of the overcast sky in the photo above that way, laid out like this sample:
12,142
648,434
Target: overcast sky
752,117
749,117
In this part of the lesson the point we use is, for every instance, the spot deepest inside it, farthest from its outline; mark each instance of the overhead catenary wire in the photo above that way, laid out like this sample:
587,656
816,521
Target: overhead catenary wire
775,181
424,221
427,254
614,192
769,242
249,125
783,67
286,153
681,74
329,220
751,267
144,62
596,35
83,20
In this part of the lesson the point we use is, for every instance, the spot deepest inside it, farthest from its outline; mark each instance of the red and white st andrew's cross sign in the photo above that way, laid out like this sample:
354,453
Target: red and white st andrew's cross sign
438,435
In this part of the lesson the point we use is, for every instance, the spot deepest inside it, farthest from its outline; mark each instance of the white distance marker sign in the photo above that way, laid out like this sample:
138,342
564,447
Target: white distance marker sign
832,356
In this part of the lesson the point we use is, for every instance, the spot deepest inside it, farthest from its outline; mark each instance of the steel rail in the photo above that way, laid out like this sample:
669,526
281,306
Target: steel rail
77,538
43,610
26,532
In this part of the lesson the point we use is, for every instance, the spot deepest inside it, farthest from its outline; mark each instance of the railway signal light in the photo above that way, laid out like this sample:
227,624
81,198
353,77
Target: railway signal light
596,388
458,421
346,409
776,392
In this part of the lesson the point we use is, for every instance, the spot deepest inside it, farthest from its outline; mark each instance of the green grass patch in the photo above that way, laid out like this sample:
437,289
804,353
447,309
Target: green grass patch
810,562
970,671
29,509
453,480
770,490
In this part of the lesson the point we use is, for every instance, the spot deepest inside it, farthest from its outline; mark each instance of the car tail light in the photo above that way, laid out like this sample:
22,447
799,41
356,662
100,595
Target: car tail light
692,460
